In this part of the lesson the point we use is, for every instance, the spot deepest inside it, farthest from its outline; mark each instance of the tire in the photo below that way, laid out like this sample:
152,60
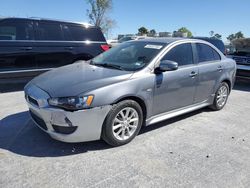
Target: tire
122,123
222,93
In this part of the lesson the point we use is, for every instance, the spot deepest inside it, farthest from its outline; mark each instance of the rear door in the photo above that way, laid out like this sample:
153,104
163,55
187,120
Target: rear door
210,71
85,42
50,47
17,60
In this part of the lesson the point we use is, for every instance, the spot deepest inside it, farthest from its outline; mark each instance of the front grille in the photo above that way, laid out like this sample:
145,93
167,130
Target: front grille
33,101
242,60
38,121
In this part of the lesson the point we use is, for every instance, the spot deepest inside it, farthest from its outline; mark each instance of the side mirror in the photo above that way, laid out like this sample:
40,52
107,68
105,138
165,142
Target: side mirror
166,65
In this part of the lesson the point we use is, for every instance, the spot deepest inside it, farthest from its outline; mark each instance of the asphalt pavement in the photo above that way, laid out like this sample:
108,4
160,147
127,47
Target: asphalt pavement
199,149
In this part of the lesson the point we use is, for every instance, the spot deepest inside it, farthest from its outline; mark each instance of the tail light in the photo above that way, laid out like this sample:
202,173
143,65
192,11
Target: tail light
105,47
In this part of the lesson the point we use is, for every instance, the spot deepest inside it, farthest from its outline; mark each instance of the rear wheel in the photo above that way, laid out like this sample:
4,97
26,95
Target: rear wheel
221,97
123,123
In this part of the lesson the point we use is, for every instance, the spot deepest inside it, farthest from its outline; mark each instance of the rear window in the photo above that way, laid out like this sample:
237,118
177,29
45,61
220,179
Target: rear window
206,53
16,30
81,33
49,31
219,44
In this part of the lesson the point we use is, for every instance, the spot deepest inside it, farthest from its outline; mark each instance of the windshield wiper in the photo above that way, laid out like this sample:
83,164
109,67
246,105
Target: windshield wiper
108,65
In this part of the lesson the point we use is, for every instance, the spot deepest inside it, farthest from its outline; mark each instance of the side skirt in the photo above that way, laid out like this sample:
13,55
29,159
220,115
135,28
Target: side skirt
174,113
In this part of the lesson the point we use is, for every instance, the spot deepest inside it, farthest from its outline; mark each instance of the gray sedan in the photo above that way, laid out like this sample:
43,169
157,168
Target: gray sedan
135,84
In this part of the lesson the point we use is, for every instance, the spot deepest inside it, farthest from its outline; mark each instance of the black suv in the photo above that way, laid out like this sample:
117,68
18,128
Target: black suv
30,46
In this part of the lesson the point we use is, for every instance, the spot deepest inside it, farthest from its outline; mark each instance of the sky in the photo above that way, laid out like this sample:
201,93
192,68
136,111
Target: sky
200,16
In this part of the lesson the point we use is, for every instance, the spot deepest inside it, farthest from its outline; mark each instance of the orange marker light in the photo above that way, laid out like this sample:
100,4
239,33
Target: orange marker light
89,100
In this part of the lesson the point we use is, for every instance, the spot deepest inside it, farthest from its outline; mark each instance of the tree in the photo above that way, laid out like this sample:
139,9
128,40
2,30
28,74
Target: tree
185,30
218,36
152,32
98,14
215,35
237,35
143,31
211,33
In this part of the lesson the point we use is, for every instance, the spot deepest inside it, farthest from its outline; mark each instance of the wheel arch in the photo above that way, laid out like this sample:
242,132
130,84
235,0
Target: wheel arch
228,83
137,99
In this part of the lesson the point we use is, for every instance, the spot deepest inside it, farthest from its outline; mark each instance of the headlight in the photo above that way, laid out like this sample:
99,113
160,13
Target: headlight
72,103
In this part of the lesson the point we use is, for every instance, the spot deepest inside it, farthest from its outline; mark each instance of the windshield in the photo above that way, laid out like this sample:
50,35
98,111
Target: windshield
131,56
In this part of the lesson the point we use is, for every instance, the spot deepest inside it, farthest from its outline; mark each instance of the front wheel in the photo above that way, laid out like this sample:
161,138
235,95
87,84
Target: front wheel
221,97
122,123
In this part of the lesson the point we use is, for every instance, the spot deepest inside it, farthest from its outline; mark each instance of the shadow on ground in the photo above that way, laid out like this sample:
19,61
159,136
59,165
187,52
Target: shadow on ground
11,87
19,135
242,85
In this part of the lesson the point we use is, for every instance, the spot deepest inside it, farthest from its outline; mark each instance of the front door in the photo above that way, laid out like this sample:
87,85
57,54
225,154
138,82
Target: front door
176,89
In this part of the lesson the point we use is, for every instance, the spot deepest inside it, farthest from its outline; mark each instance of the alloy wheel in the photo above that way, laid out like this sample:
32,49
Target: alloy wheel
222,95
125,123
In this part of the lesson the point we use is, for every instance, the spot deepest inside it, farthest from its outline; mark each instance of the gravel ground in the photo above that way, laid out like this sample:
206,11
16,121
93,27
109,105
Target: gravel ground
200,149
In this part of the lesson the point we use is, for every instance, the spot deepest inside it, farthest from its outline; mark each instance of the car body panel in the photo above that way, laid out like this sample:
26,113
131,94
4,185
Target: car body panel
88,77
174,89
165,95
88,122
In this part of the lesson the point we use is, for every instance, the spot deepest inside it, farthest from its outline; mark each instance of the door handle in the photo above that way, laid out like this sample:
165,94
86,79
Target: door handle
26,48
69,48
219,68
193,74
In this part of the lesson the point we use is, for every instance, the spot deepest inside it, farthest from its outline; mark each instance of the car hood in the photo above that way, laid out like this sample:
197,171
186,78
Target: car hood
78,78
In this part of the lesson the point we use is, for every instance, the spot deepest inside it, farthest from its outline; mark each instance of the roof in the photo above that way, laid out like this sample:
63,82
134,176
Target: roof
166,40
206,38
47,19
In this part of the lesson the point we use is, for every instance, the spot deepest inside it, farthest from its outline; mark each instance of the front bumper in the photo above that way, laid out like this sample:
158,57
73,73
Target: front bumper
243,71
65,126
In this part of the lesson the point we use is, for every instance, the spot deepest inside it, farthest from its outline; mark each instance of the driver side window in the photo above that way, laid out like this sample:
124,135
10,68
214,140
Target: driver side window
182,54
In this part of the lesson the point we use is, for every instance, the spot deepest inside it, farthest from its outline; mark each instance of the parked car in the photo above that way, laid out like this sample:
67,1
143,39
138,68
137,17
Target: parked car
241,54
112,42
126,39
137,83
29,47
216,42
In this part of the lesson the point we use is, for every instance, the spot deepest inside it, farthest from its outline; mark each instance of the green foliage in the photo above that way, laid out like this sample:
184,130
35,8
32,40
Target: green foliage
152,32
211,33
143,31
237,35
185,30
215,35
